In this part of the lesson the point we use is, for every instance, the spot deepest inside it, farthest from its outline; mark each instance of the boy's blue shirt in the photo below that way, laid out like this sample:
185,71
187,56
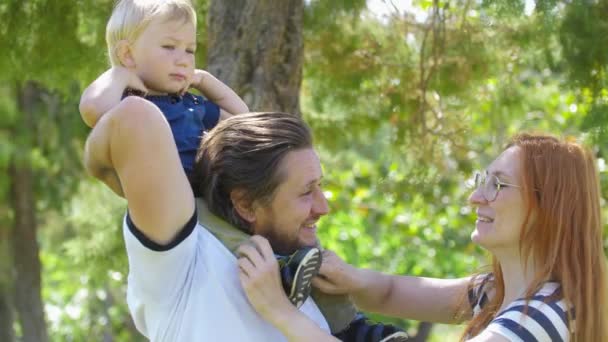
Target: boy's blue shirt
189,116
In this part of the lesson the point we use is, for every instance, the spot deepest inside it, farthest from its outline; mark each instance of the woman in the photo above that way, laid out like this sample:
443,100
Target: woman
538,213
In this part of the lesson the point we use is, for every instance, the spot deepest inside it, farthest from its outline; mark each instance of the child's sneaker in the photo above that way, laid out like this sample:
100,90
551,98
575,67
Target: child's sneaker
297,271
360,329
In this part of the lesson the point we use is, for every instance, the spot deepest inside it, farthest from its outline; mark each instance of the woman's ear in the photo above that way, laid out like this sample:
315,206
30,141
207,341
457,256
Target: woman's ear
124,53
243,207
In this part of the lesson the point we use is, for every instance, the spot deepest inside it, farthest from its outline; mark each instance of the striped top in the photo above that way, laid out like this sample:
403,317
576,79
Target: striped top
542,319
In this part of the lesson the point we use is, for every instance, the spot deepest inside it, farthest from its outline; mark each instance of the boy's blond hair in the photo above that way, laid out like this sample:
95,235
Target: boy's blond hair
130,17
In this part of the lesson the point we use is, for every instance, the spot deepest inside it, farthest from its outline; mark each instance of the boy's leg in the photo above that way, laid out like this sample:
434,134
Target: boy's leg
297,270
363,330
228,234
338,310
347,324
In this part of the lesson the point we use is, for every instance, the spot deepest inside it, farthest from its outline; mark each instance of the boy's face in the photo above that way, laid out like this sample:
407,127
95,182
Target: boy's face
163,56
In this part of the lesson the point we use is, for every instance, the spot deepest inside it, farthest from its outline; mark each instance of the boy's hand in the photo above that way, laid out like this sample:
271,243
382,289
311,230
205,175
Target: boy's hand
197,79
106,92
133,81
216,91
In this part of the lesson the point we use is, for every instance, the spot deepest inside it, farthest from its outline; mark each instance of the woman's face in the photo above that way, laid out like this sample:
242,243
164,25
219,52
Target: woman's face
499,221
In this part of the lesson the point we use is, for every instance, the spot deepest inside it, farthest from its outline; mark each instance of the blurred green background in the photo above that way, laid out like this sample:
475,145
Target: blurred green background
406,99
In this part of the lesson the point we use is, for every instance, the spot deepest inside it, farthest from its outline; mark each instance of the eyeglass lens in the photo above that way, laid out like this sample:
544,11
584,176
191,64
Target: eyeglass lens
489,185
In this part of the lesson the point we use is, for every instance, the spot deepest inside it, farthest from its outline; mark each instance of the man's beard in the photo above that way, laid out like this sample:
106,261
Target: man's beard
282,243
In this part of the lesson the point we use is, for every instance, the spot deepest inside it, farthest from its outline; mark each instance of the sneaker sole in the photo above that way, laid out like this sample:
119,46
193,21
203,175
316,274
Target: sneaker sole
302,283
396,337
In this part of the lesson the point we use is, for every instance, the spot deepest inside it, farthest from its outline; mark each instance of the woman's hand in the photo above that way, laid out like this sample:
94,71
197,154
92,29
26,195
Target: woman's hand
259,275
338,277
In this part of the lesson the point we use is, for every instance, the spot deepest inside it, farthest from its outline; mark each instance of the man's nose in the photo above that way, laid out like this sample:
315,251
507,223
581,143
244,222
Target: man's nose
320,205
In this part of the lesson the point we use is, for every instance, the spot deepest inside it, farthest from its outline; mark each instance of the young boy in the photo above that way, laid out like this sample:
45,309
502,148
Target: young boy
151,45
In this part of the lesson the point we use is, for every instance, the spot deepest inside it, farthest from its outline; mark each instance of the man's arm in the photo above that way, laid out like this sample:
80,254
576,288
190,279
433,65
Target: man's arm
106,92
134,141
216,91
259,276
95,161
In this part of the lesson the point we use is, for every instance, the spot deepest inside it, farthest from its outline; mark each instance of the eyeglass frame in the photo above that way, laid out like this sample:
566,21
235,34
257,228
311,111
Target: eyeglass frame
479,178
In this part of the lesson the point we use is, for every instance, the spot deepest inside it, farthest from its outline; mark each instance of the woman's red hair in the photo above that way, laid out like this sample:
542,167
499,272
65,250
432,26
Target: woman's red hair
563,237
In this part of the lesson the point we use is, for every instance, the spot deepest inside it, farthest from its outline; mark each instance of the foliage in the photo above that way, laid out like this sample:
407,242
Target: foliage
419,105
403,107
57,47
86,268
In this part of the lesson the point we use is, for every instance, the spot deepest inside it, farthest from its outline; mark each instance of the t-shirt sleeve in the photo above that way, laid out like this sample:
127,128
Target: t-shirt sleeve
538,322
158,272
212,114
479,289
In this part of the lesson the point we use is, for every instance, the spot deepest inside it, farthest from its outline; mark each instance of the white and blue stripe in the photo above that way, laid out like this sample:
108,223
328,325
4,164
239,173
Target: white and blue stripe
542,318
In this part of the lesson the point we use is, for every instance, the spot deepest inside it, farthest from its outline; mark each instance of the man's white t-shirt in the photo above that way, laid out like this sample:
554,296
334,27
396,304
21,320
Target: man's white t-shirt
190,290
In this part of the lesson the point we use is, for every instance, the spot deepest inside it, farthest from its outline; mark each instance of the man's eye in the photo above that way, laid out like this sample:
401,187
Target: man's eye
190,51
169,47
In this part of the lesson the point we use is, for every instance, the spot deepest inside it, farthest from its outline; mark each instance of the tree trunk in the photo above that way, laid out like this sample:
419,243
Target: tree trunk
256,47
28,299
6,315
6,279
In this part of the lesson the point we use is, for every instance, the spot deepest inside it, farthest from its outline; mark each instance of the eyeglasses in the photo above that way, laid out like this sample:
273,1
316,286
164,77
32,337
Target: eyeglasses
490,185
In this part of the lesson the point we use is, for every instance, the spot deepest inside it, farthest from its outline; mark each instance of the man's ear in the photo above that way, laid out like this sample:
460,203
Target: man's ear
242,205
124,52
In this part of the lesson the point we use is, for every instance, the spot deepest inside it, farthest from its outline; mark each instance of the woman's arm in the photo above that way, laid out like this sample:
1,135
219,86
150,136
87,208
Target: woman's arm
417,298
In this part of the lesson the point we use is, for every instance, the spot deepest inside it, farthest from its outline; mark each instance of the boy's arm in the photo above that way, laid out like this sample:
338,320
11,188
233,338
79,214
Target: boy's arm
106,92
216,91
